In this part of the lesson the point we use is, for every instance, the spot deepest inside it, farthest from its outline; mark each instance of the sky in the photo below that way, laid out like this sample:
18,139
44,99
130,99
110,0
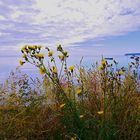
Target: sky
84,27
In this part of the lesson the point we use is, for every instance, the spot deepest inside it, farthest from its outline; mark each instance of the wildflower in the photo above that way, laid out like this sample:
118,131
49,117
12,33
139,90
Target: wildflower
39,55
81,116
61,57
78,91
100,68
42,70
59,48
24,56
71,68
100,112
39,47
21,62
73,138
104,62
121,72
50,53
62,105
32,47
65,54
24,48
54,69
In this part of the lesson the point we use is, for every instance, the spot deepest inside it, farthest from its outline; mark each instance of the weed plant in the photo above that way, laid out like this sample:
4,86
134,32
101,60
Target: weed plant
71,102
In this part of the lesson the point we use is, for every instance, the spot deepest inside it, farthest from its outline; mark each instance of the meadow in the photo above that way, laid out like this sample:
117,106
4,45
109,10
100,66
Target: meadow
70,102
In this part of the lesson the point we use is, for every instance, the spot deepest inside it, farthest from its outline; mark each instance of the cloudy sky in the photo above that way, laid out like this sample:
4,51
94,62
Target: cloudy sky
85,27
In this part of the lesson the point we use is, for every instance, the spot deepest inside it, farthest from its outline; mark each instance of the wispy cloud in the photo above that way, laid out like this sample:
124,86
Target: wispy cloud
65,21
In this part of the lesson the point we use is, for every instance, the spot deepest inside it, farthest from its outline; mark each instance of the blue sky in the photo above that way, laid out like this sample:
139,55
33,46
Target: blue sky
85,27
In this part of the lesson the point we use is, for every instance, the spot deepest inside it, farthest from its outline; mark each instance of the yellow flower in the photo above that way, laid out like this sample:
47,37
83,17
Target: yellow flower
50,53
39,47
71,68
78,91
121,72
42,70
24,56
39,55
24,48
62,105
100,112
54,69
61,57
81,116
100,68
73,138
104,62
21,62
32,47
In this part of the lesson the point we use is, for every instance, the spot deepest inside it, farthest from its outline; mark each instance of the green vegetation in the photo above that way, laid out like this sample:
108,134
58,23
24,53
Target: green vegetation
71,103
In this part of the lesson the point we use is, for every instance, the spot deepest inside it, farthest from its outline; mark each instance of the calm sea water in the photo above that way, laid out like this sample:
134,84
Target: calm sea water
9,63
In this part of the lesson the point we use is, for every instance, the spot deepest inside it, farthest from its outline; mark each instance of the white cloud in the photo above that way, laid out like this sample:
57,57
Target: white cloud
68,21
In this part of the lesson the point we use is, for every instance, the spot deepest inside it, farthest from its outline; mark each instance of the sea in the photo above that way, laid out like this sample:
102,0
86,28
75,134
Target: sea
9,64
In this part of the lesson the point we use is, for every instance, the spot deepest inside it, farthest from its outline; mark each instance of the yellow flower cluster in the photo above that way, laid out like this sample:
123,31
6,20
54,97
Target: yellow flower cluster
64,54
31,51
30,47
104,62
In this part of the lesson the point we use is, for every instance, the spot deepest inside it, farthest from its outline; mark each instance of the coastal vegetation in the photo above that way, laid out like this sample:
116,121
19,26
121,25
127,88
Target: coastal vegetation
70,102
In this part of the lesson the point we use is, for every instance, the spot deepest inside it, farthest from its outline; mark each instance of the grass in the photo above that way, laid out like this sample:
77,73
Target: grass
70,103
